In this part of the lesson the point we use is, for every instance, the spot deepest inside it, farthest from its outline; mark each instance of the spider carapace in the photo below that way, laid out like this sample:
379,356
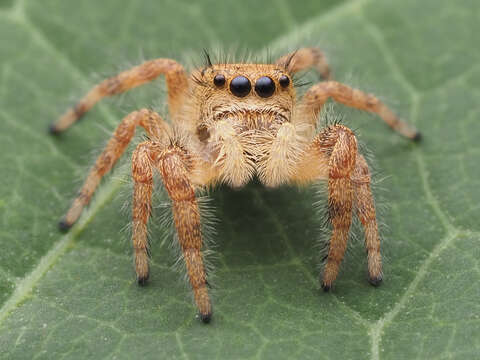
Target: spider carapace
230,122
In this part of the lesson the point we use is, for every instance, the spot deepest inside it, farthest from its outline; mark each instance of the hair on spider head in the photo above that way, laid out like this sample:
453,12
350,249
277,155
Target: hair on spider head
208,60
199,81
235,54
288,61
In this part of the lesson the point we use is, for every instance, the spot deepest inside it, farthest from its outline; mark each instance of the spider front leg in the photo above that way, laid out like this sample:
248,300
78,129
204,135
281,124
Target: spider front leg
142,173
343,145
175,75
172,163
174,167
317,95
365,206
154,126
333,155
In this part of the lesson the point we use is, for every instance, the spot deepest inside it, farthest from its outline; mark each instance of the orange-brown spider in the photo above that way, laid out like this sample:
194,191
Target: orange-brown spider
231,122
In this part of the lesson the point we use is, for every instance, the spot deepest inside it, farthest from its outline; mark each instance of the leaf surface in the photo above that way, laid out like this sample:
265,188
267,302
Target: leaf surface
74,295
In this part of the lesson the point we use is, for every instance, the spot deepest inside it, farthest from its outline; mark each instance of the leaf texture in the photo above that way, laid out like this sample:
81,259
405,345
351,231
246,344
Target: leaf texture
74,296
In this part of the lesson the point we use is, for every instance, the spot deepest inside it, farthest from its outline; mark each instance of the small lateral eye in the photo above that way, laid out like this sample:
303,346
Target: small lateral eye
284,81
219,80
240,86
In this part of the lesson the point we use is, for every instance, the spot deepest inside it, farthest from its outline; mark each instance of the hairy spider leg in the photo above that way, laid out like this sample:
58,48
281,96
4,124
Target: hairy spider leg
365,207
343,145
142,174
333,156
172,163
175,76
153,125
174,168
317,95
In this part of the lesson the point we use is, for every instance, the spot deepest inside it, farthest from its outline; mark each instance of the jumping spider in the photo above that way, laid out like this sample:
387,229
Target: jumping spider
231,122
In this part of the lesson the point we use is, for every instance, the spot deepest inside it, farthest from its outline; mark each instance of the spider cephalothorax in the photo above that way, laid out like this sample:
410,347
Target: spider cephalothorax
239,110
231,122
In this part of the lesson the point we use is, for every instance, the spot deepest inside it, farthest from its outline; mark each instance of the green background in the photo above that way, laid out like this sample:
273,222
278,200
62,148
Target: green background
74,295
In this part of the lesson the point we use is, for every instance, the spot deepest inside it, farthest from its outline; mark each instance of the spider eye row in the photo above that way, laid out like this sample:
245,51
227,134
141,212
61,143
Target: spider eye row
240,86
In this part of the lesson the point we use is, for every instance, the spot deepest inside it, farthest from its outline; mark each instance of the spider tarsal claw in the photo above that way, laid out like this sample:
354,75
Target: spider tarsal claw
64,226
375,281
53,130
325,287
418,137
206,318
143,281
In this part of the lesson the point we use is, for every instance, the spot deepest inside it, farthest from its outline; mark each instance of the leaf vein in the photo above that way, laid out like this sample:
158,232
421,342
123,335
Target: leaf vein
377,329
26,285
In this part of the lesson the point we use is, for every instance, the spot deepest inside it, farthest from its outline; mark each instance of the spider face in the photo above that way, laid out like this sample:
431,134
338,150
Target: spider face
250,96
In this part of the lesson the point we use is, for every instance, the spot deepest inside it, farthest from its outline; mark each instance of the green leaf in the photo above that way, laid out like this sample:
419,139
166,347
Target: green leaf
74,295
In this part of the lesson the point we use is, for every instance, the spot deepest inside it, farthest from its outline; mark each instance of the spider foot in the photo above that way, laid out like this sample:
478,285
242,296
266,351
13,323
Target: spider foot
326,287
375,280
53,130
206,317
417,137
64,226
143,280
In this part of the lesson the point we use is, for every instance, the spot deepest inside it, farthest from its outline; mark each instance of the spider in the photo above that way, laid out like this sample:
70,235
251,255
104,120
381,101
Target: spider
231,122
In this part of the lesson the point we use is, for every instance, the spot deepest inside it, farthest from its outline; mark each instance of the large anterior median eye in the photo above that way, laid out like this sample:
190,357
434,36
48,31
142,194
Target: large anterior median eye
240,86
265,87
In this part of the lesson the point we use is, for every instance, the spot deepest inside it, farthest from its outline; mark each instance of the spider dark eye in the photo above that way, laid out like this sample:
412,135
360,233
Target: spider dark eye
284,81
240,86
265,87
219,80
